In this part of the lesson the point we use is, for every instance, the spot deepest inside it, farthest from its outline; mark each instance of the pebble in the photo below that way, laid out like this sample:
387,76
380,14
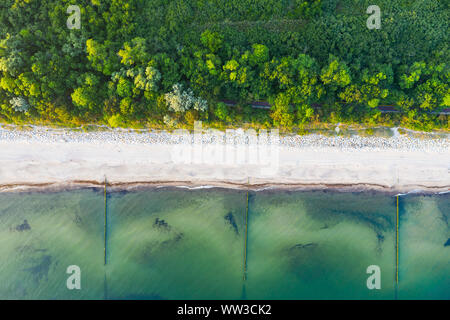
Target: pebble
237,137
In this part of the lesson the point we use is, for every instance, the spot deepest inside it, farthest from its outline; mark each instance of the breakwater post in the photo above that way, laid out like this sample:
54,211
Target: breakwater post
106,217
105,287
246,239
396,250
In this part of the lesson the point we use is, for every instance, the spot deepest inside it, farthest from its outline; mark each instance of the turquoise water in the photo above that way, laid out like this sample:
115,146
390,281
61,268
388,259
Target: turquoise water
424,260
173,243
65,229
319,245
188,251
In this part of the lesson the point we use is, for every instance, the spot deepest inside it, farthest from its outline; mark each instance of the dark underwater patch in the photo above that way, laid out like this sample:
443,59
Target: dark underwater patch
230,219
23,227
305,246
41,270
161,224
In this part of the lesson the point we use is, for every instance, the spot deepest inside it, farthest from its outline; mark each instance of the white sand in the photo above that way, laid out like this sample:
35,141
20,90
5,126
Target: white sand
306,162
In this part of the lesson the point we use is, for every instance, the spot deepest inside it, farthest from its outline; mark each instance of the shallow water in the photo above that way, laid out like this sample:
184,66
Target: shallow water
192,250
424,247
171,243
319,245
65,229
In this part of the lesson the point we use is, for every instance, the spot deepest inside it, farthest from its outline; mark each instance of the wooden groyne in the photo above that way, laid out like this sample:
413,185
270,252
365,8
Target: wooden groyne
246,239
106,220
105,287
397,249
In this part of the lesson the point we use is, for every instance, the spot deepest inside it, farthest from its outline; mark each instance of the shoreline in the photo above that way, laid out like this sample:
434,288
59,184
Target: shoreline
142,186
53,159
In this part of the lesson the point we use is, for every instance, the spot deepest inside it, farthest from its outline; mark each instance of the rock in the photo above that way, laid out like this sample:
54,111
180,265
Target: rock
23,227
230,219
304,246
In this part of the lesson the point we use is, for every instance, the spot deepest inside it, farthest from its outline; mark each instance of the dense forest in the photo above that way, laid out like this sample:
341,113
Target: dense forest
168,63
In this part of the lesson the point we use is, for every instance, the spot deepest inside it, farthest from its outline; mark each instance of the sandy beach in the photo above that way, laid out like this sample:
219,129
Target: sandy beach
55,158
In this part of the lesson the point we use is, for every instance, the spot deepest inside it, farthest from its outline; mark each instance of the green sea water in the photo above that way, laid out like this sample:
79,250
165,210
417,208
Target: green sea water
423,256
174,243
66,228
318,245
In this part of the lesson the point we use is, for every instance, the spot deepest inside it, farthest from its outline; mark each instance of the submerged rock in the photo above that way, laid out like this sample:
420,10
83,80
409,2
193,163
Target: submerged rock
41,270
304,246
230,219
23,227
447,243
179,237
174,240
78,221
29,249
161,224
